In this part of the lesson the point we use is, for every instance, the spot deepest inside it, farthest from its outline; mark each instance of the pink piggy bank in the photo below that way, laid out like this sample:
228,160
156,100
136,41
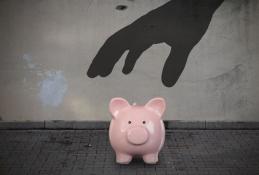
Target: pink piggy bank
137,130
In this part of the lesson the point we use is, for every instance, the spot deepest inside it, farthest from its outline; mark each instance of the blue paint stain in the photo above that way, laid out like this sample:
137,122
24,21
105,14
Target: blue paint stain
53,88
28,59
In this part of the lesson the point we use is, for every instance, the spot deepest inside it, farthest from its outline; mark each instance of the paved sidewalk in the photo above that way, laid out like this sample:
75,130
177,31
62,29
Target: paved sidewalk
74,152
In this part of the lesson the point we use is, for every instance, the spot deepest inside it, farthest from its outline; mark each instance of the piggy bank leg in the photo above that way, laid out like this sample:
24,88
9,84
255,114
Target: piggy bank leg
123,158
151,158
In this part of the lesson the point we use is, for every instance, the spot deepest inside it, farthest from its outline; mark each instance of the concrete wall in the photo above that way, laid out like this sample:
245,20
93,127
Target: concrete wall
47,46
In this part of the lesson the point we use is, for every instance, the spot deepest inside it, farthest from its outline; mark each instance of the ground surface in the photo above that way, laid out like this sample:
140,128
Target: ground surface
77,152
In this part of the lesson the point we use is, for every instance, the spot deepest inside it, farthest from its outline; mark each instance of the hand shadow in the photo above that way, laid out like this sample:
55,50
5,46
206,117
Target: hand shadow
178,23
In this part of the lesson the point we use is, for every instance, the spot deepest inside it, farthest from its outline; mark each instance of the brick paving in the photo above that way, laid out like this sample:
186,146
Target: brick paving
83,152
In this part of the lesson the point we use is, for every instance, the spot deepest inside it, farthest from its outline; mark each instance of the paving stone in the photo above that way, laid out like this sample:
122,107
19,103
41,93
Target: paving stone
231,125
91,125
179,124
74,152
59,124
21,125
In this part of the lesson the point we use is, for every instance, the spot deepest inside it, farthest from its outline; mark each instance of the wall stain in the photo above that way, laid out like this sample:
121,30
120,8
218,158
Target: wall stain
121,7
226,79
53,88
28,59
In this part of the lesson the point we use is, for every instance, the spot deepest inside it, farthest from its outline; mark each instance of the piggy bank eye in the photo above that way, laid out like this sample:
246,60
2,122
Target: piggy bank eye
129,122
144,122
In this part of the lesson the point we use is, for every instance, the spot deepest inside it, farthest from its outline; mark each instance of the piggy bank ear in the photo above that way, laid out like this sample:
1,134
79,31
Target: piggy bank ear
117,104
157,104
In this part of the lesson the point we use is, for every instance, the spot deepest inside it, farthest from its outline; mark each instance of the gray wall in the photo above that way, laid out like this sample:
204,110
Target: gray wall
46,47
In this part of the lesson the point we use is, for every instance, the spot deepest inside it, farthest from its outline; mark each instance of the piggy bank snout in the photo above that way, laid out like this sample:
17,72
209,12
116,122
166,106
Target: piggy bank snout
137,135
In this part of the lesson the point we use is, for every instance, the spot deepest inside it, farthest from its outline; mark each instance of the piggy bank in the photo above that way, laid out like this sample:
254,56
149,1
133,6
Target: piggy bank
137,131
